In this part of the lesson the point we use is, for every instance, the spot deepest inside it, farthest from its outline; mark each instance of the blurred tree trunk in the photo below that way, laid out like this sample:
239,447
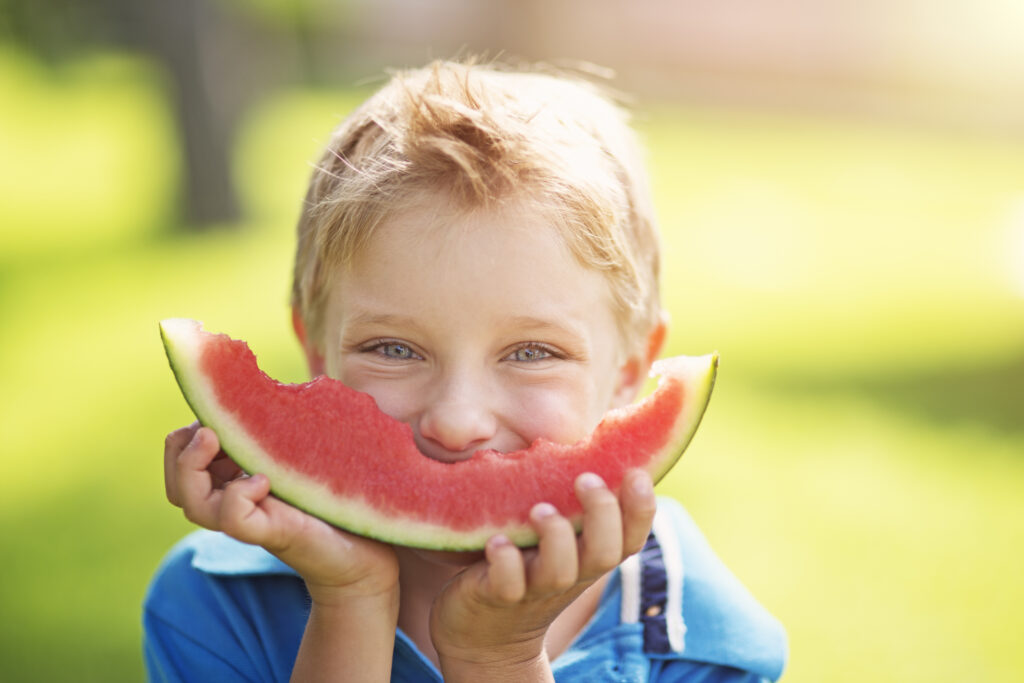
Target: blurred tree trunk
219,55
192,39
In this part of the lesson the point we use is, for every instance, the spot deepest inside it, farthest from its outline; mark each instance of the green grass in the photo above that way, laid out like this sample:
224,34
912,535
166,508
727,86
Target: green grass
891,550
860,466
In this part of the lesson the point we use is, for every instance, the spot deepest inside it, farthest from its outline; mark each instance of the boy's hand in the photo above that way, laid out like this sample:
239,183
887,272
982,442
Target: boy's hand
216,494
490,622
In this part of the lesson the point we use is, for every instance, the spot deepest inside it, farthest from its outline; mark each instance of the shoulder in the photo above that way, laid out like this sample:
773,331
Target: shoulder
679,587
216,605
207,564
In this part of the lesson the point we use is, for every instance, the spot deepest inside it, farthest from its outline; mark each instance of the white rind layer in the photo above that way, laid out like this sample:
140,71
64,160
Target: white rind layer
183,342
697,375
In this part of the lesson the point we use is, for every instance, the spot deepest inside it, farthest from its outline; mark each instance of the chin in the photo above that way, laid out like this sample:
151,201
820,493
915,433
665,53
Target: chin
449,558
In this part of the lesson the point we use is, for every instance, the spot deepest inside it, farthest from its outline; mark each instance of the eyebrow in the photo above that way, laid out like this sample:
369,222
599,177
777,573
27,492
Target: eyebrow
385,319
569,335
531,323
525,323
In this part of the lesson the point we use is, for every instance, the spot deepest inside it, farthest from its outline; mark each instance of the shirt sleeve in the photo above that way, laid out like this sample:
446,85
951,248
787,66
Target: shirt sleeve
204,626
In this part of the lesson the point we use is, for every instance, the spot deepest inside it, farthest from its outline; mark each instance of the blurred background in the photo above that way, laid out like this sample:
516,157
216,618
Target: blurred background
841,189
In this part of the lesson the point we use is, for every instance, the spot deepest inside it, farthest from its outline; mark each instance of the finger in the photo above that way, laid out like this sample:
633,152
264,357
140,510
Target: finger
505,581
555,567
241,514
195,491
174,444
601,540
223,470
638,508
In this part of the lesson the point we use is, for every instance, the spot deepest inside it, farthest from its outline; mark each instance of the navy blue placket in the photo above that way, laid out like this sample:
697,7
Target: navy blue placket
653,596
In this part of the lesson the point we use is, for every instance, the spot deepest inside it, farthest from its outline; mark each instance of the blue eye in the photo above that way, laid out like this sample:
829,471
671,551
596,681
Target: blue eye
396,350
530,354
391,350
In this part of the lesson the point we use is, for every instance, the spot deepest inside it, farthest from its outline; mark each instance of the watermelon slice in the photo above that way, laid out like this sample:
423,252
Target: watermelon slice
330,451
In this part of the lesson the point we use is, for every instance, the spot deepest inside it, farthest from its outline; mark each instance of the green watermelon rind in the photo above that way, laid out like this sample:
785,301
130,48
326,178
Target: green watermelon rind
183,344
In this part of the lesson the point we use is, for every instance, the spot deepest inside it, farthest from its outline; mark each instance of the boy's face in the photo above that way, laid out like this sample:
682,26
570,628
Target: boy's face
479,331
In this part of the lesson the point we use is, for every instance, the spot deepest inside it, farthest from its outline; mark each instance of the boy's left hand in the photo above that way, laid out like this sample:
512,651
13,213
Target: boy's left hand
496,613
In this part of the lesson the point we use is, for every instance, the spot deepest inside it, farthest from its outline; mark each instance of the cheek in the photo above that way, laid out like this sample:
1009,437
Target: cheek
563,415
390,400
394,397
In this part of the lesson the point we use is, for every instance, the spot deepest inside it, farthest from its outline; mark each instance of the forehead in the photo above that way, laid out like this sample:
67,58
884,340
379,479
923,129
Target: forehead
509,263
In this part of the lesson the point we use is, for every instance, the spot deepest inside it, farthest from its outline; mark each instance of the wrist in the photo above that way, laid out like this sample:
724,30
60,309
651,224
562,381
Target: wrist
369,593
521,662
348,638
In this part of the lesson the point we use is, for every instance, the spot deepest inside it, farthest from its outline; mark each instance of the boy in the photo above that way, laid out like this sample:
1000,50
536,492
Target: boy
477,252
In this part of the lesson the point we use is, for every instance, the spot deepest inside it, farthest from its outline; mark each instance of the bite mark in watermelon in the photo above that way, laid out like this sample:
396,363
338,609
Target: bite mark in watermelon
329,450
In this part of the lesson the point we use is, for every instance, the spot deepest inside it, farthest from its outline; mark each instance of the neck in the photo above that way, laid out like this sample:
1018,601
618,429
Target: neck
420,581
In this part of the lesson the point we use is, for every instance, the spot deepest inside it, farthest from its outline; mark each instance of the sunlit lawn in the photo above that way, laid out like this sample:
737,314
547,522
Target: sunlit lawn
861,467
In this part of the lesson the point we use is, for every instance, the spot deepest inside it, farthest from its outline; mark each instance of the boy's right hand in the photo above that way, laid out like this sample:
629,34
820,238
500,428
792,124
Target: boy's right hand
214,493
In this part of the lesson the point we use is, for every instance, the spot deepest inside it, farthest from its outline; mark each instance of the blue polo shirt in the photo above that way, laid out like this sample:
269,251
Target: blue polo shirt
221,610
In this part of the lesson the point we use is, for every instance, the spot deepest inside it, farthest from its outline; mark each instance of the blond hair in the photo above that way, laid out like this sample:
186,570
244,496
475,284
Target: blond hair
484,135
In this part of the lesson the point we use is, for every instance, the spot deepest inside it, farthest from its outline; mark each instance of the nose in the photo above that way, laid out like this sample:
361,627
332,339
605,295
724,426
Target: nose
457,422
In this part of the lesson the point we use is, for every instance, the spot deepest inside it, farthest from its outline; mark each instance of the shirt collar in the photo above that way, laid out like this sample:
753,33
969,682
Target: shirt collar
216,553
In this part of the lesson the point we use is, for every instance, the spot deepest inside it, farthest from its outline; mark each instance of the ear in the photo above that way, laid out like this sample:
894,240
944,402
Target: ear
656,340
634,370
314,359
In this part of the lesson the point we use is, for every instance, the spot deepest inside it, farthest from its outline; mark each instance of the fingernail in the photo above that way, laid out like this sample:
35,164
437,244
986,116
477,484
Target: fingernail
641,483
543,511
589,480
196,438
499,541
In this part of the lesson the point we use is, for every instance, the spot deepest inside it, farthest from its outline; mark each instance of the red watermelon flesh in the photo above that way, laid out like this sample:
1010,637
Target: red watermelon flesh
330,451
